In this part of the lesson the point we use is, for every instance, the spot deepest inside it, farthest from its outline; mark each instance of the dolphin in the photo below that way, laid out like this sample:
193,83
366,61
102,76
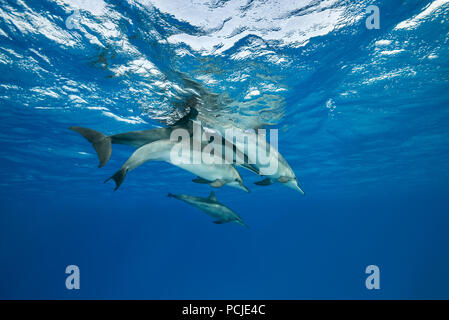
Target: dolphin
216,174
211,207
102,143
284,173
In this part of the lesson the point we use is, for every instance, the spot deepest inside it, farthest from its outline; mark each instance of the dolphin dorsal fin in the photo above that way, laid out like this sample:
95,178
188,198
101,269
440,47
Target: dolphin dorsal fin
212,196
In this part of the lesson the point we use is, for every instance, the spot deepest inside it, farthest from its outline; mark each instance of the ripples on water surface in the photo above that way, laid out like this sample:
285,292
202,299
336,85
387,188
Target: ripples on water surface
360,112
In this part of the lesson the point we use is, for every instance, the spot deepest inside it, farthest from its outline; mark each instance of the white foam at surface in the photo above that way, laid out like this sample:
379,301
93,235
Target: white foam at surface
383,42
391,52
132,120
252,93
404,72
418,19
228,23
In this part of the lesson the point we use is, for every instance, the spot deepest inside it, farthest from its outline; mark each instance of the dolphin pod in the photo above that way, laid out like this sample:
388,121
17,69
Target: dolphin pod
156,145
140,139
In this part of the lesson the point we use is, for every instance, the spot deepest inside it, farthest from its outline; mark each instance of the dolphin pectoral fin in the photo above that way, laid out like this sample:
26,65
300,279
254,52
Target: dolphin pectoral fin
201,180
100,142
218,222
265,182
284,179
218,183
118,177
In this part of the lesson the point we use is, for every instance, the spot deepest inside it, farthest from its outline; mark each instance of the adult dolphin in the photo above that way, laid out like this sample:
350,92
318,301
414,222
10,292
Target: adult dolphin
283,173
211,207
102,143
216,172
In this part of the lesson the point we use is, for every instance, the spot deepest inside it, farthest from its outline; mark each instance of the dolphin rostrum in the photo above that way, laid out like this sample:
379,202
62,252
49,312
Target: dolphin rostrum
211,207
216,174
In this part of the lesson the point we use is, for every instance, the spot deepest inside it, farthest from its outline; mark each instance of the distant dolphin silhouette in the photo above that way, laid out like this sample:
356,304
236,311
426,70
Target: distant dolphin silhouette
216,175
211,207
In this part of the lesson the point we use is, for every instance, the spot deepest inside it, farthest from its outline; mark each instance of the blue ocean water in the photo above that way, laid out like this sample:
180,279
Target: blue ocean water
363,121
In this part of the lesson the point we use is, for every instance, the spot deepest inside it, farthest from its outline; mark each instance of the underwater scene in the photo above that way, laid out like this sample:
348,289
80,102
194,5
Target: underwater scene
224,149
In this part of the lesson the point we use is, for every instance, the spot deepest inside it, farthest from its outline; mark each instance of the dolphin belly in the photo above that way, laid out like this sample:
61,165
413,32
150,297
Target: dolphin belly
210,172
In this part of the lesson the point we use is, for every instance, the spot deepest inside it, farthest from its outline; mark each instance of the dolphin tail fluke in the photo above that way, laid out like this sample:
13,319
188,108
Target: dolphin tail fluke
170,195
100,142
118,177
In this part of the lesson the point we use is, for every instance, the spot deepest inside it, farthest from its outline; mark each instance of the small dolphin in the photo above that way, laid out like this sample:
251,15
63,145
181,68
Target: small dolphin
216,174
211,207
